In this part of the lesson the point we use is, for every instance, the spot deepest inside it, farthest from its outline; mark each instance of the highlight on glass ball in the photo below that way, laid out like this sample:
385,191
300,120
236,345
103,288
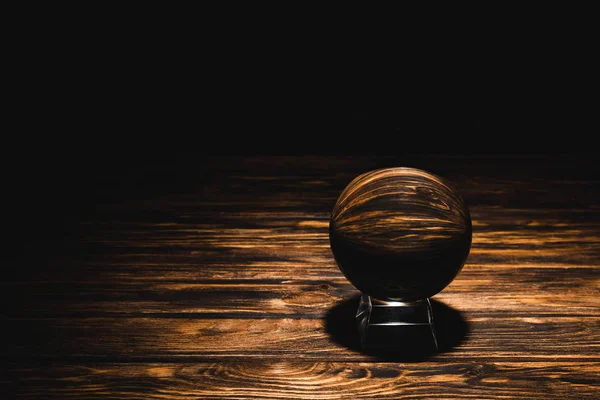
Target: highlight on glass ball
400,236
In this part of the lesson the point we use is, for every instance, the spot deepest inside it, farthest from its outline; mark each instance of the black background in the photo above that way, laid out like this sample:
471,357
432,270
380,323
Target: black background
93,102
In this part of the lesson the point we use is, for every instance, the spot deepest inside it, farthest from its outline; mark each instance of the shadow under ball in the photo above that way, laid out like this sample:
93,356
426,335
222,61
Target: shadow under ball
400,234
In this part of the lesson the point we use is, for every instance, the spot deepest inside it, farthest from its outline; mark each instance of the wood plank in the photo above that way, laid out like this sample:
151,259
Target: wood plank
480,290
296,379
332,338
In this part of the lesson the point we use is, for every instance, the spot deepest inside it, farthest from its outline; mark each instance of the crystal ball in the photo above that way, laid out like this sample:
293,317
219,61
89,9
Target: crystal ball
400,234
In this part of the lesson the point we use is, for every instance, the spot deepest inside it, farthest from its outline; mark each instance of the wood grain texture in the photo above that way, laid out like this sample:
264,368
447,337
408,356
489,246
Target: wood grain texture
287,379
123,339
214,278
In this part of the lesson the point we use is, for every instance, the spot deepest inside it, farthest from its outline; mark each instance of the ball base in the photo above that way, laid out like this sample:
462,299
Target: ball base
394,325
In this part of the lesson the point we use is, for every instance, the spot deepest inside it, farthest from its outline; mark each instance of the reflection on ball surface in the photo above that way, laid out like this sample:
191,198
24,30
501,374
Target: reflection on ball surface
400,233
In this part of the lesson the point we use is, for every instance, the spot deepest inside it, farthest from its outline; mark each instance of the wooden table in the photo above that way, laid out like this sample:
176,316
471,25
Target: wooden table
213,278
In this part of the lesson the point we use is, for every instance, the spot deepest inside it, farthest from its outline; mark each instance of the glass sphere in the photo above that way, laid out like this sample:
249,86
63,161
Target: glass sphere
400,234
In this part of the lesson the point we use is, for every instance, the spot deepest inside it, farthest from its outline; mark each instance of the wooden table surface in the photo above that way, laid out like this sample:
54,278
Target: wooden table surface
213,278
